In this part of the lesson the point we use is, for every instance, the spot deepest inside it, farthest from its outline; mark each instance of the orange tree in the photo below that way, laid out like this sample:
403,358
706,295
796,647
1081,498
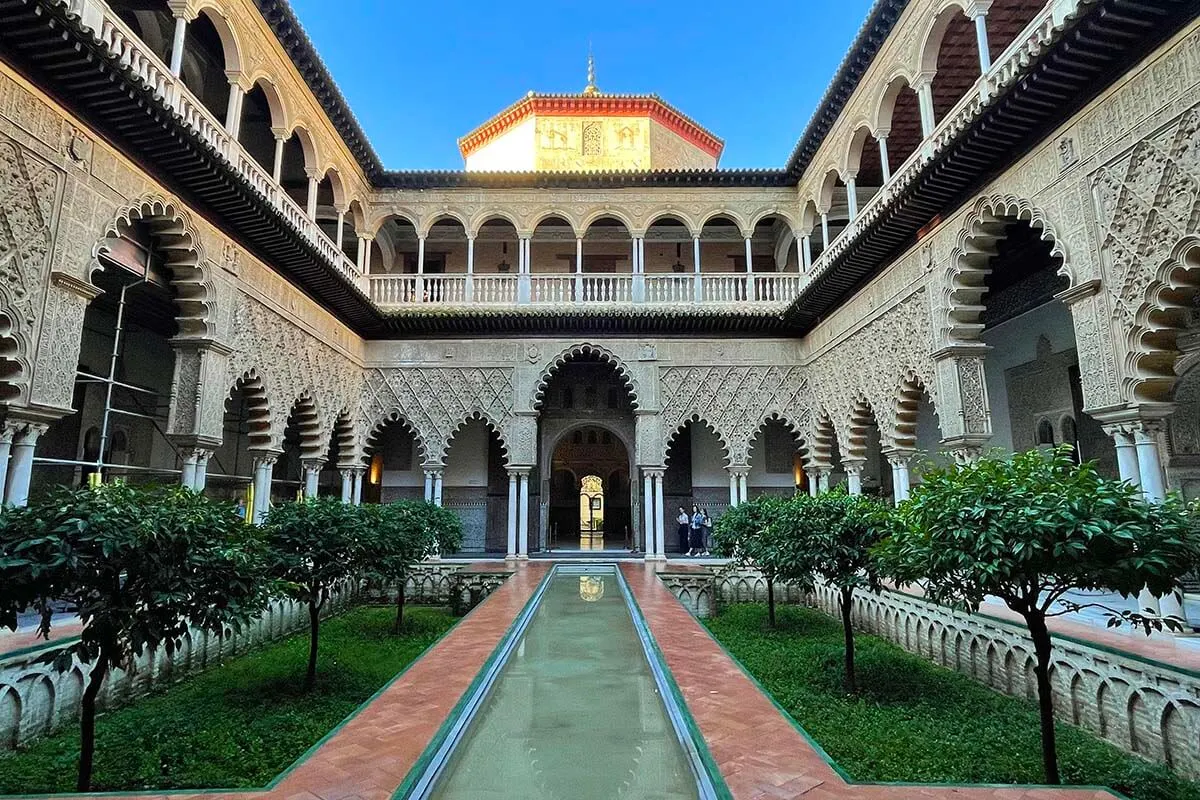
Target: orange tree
1028,530
831,537
401,534
745,533
142,566
311,546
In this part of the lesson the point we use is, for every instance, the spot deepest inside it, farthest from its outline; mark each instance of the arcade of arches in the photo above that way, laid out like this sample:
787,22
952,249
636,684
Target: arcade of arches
1055,305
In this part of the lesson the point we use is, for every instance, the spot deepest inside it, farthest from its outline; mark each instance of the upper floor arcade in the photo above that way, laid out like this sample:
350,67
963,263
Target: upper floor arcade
244,83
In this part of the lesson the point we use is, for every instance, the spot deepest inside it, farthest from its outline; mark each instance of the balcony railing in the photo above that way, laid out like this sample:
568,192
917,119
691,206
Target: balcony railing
763,289
1022,52
144,64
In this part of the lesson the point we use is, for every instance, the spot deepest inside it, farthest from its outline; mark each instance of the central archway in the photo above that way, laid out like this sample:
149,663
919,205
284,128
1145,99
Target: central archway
589,497
586,427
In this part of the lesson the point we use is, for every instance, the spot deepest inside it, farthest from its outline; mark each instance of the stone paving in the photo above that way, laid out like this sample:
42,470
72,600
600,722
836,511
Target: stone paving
761,754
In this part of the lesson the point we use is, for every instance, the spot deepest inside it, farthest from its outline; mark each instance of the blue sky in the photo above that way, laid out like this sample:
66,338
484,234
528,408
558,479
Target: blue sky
419,75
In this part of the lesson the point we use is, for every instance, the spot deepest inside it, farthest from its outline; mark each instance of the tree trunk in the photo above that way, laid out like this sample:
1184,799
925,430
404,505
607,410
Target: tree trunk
87,721
314,623
771,601
848,632
399,607
1041,645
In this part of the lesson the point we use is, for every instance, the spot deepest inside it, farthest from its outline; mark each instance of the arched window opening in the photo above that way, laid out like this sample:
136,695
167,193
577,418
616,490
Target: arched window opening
607,247
153,23
1032,368
293,173
126,367
254,132
204,65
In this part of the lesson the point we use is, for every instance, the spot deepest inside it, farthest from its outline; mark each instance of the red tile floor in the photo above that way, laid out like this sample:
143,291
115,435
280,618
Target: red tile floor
759,752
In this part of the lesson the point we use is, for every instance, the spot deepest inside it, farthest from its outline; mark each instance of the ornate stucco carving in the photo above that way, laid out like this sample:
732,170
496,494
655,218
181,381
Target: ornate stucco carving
436,401
733,401
29,197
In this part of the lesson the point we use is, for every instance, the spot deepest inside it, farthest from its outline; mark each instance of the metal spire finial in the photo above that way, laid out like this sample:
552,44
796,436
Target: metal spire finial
591,75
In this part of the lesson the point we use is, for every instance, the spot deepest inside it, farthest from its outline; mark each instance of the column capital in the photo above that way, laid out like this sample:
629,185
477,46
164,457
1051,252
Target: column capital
738,470
897,455
1132,416
183,9
519,472
882,134
654,472
26,433
265,456
434,471
977,8
313,463
853,466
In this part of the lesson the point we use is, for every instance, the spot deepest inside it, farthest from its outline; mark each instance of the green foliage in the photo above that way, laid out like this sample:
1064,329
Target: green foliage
916,721
142,565
744,533
1031,527
831,536
239,724
313,544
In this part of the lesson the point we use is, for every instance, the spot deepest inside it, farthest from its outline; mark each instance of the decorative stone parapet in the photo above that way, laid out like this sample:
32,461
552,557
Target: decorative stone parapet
442,583
1145,707
36,698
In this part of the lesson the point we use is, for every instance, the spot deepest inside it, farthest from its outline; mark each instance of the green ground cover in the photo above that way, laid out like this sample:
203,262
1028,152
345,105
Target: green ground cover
916,721
240,724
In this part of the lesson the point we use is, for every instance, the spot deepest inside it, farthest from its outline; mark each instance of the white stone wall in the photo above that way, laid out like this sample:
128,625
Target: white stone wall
37,699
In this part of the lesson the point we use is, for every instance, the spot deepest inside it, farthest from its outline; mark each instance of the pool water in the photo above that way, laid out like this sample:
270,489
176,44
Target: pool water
575,712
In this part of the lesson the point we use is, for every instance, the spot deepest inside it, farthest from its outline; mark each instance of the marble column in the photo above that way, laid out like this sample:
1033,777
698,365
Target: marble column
851,197
823,481
883,157
814,481
202,459
523,515
312,475
660,534
177,44
347,476
1150,470
854,469
512,515
648,512
20,464
7,432
743,486
734,494
356,496
470,288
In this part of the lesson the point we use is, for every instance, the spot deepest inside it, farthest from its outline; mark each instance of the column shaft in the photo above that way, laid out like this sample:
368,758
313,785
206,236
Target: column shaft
883,159
523,517
512,515
177,46
660,534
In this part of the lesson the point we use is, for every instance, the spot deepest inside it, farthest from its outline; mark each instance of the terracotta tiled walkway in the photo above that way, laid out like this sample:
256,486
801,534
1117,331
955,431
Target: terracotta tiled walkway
759,752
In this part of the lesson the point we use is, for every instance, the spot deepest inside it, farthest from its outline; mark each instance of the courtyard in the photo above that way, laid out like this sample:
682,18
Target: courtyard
451,404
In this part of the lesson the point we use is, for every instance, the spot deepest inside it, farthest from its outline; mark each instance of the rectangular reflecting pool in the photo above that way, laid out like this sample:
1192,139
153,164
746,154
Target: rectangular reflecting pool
574,704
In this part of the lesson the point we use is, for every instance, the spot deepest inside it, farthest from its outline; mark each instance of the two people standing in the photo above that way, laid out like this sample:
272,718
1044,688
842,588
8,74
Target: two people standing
694,531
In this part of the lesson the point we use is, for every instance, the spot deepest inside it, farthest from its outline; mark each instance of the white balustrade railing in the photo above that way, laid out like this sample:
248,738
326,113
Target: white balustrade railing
552,288
495,290
390,291
1025,49
144,64
393,290
722,288
606,288
670,288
